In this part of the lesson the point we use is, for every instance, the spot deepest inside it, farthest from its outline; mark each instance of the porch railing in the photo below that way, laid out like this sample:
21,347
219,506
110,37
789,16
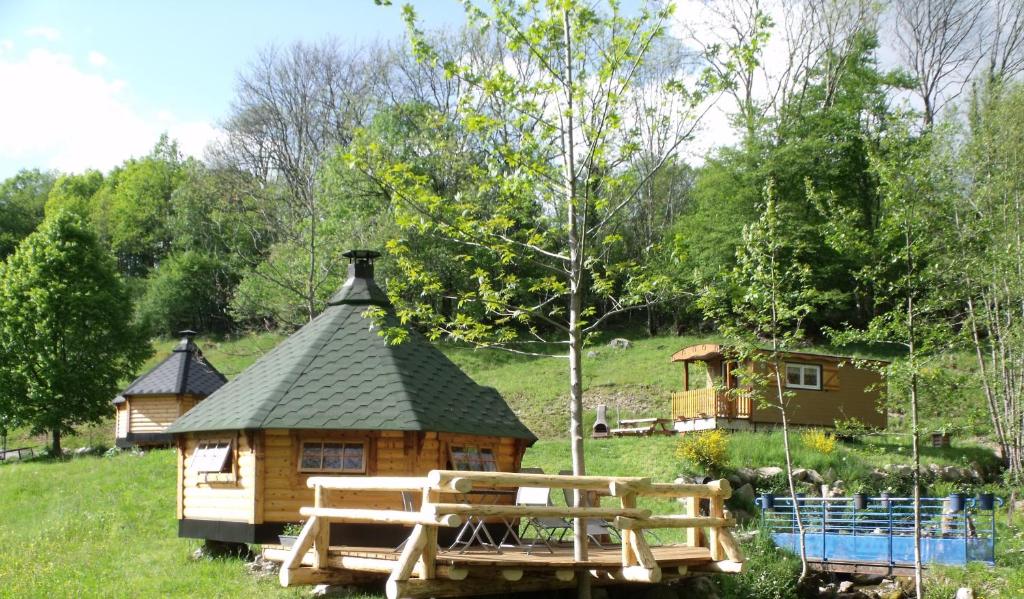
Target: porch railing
417,565
710,402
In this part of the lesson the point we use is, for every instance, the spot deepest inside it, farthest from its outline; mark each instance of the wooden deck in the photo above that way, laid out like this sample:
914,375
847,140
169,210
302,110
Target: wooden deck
483,571
420,568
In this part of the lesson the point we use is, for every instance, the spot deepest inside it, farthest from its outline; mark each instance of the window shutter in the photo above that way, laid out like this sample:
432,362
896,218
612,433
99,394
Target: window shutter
830,377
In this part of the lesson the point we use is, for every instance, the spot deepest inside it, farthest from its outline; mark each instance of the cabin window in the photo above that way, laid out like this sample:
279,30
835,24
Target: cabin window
478,459
212,457
803,376
328,456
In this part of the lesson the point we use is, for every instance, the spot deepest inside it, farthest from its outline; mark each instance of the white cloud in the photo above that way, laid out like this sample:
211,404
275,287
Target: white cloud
97,59
70,120
6,45
47,33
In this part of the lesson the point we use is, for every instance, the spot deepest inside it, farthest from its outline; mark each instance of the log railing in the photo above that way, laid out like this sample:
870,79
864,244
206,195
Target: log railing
710,402
416,572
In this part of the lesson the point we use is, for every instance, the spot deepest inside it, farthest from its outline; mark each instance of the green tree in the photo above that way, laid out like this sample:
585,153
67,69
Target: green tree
22,199
65,335
767,296
914,308
552,123
188,290
74,193
988,264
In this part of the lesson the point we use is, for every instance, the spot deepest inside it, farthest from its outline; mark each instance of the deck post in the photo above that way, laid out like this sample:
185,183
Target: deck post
428,560
693,533
714,540
322,541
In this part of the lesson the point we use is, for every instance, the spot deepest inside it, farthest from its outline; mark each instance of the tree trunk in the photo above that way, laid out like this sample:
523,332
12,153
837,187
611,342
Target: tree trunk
55,448
575,269
789,471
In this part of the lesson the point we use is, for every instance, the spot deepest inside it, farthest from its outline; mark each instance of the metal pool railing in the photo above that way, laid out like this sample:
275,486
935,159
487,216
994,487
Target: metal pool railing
880,530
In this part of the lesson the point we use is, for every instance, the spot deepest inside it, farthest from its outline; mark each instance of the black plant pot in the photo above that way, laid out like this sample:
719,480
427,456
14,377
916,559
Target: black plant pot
986,501
860,501
767,501
956,502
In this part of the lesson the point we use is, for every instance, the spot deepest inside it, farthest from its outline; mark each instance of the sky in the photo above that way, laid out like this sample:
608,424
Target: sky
90,84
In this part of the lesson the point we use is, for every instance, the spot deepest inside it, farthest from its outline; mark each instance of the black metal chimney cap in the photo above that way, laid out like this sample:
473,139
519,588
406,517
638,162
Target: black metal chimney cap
354,255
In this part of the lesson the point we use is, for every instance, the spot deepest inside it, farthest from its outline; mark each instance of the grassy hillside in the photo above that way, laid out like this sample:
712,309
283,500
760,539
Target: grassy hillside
100,527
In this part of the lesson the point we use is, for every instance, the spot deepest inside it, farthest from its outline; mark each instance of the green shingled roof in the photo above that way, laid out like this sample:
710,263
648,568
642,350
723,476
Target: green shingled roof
338,373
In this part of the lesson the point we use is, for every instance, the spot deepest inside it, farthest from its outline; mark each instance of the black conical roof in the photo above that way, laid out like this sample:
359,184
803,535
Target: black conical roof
184,372
339,373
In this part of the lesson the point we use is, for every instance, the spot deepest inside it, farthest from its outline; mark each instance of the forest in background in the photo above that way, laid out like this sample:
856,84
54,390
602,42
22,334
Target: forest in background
250,236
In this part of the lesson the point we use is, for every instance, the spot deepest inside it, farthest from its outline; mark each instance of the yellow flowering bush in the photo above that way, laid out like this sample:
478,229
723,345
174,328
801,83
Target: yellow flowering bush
707,449
818,440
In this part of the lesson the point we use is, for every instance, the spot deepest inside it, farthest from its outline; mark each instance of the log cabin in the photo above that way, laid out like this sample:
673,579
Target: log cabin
335,398
822,389
152,402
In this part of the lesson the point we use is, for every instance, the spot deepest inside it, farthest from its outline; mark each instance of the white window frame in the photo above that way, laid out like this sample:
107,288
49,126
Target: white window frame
803,368
479,451
213,451
344,445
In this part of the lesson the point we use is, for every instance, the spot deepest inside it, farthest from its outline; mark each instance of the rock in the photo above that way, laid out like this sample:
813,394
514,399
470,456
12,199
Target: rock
845,586
113,451
866,579
620,343
698,586
830,475
828,590
745,494
82,451
747,475
592,354
951,474
745,536
964,593
262,568
768,472
877,476
331,590
742,517
814,478
734,481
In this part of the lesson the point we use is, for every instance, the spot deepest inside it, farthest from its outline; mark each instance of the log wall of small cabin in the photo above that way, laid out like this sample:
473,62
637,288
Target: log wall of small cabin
230,497
121,421
847,392
388,453
154,413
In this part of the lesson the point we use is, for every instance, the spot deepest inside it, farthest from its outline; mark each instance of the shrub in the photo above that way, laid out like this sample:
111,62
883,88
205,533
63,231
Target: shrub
819,441
708,450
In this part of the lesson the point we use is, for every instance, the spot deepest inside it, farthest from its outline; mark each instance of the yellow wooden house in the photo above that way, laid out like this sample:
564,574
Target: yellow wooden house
821,389
149,405
334,399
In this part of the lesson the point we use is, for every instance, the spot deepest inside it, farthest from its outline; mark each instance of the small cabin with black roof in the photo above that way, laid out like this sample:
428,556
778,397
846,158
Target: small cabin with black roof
152,402
336,399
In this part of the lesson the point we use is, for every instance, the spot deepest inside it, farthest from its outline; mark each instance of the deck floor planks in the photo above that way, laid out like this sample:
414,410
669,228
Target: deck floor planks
608,557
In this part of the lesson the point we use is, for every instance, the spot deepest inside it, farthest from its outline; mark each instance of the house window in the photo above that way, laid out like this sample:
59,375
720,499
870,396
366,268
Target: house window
478,459
212,457
803,376
326,456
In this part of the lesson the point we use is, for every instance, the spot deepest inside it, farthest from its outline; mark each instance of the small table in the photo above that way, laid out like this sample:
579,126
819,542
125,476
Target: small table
476,527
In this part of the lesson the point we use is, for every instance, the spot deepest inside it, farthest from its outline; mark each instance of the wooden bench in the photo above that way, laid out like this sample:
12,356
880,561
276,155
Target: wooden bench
18,451
644,427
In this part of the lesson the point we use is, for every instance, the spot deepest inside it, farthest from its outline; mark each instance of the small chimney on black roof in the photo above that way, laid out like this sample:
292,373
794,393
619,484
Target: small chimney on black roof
186,343
360,263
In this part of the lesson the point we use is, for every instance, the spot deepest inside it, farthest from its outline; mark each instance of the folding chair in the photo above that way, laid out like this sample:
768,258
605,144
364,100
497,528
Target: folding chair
595,526
544,526
408,505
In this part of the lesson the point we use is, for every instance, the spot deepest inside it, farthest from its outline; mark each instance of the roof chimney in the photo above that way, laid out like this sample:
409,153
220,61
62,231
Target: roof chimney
186,343
360,288
360,263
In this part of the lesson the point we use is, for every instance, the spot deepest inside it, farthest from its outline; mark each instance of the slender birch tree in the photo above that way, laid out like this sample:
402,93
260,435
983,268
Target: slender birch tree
764,299
554,124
